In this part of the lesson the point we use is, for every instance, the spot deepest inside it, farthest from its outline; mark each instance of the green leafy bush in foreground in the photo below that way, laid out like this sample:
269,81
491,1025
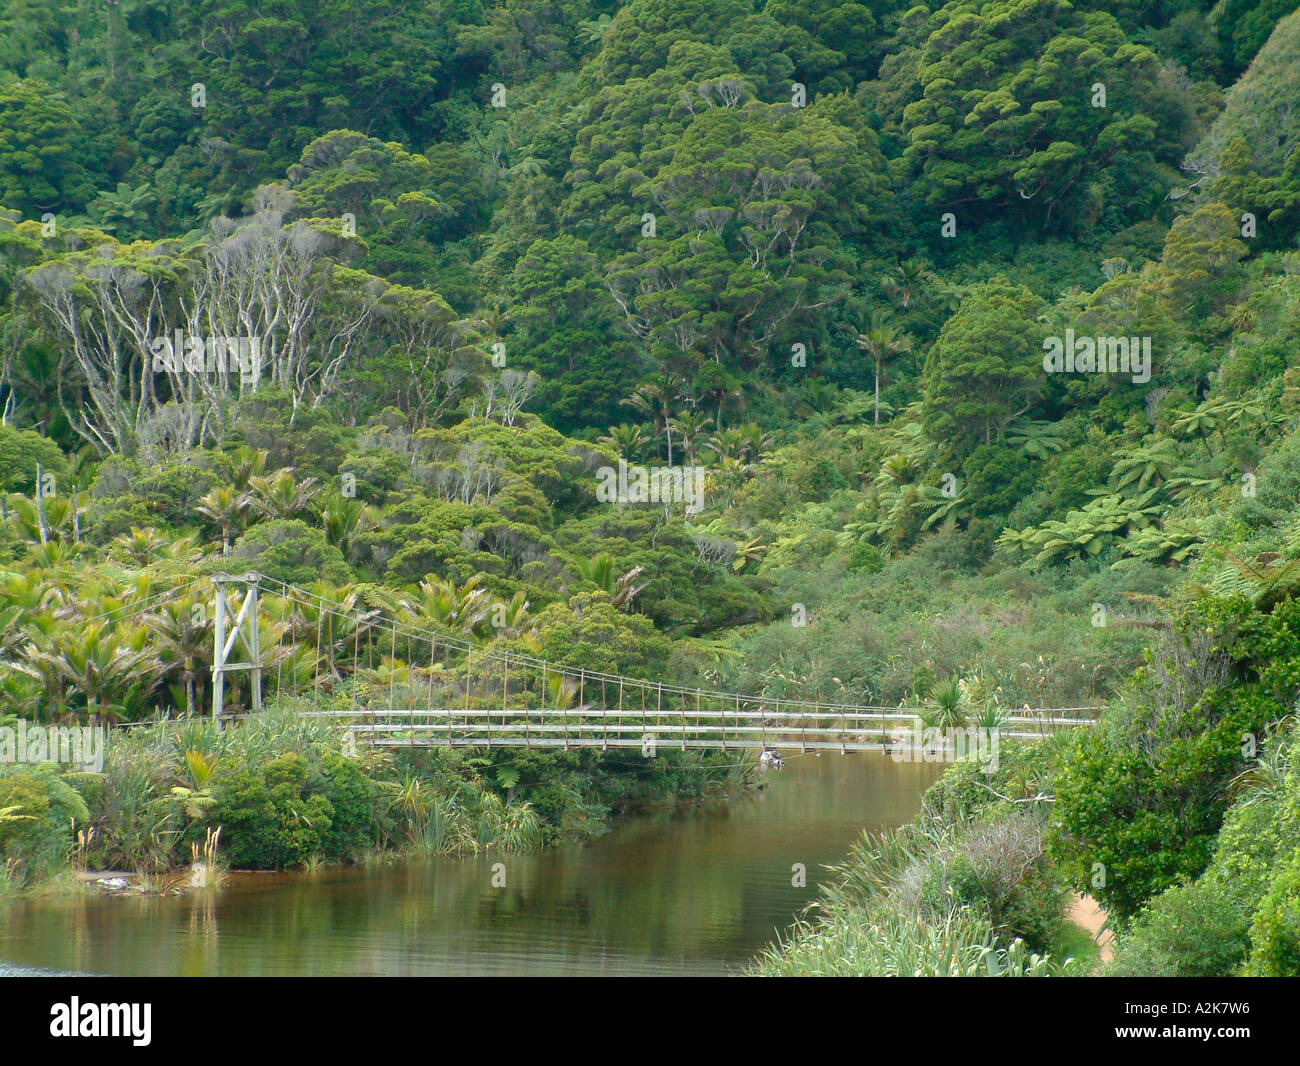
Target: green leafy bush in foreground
1275,932
1242,915
1196,930
273,815
1146,792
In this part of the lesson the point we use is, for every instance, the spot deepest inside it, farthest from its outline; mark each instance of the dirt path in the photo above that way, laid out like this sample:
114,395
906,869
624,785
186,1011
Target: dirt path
1085,913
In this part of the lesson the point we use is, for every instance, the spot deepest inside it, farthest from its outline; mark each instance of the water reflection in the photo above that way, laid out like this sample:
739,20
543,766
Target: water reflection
696,894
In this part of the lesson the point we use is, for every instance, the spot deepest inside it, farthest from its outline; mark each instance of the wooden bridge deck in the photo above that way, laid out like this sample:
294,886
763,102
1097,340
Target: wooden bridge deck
705,729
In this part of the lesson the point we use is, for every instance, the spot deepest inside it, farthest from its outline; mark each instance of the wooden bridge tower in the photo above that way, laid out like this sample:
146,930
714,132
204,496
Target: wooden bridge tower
229,627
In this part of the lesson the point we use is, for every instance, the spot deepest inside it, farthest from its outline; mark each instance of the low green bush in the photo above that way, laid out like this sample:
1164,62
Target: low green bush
998,867
1193,930
271,816
1275,932
352,795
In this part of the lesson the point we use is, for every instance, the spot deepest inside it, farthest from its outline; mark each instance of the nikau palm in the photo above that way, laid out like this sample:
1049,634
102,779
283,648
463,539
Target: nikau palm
281,495
627,439
183,633
600,571
881,339
226,507
656,398
100,663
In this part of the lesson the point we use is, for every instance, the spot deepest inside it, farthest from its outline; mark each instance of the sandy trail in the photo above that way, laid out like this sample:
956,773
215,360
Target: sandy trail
1085,912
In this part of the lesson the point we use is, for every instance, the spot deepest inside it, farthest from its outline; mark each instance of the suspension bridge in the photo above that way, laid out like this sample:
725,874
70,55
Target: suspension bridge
391,681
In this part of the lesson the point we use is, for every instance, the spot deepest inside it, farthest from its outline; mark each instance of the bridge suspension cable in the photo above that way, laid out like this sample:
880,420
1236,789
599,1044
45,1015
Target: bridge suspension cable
512,698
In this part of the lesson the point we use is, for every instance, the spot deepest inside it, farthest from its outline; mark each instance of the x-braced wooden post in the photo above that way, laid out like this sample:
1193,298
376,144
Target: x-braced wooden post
229,627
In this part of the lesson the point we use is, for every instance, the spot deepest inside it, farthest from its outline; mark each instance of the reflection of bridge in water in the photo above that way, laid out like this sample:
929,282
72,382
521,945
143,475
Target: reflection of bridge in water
405,685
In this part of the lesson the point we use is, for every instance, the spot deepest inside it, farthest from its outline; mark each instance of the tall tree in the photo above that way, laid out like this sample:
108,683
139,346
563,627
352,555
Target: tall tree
1001,110
40,155
986,368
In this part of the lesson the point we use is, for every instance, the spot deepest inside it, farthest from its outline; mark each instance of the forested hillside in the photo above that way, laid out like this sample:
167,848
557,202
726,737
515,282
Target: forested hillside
980,320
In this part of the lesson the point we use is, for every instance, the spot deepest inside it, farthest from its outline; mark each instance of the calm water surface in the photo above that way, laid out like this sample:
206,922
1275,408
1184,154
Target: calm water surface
699,893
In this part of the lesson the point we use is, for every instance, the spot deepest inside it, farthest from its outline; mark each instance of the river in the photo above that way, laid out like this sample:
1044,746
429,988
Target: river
696,893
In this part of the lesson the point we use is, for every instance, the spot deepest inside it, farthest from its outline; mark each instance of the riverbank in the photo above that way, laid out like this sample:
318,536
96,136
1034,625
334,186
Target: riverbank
967,888
692,892
179,803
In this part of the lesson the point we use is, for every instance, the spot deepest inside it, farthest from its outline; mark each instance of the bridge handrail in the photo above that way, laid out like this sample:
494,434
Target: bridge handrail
602,713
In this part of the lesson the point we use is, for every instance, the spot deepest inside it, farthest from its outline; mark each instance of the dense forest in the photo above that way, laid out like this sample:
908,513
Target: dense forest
980,320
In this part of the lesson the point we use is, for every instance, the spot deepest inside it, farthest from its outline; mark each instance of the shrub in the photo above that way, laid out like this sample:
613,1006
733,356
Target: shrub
20,451
1146,792
352,796
1275,932
998,868
865,558
1194,930
37,813
1258,834
997,478
271,817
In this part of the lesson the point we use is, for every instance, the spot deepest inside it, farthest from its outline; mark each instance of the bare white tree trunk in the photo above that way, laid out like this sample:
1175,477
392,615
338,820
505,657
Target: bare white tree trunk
150,336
